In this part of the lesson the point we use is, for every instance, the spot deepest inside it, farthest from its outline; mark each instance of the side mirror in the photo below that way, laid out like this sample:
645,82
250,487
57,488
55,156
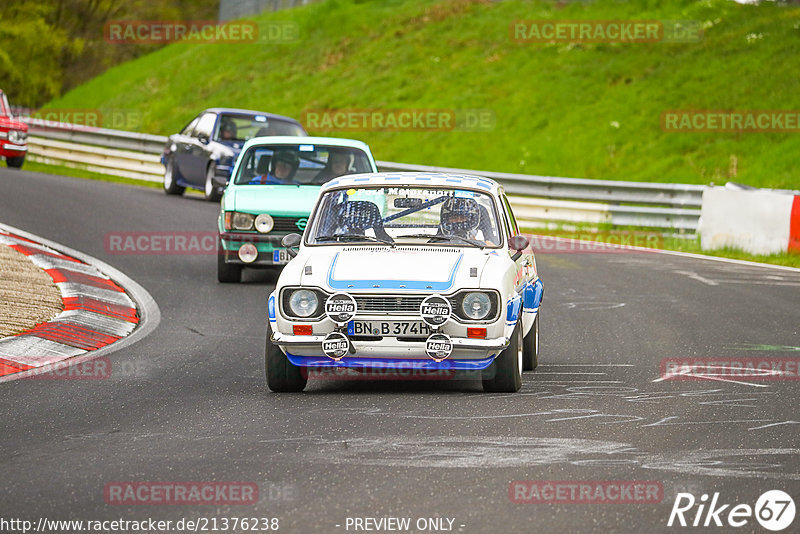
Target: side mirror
203,138
518,243
290,242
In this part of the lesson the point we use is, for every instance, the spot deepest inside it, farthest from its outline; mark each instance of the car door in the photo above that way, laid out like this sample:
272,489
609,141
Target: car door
525,268
182,146
197,149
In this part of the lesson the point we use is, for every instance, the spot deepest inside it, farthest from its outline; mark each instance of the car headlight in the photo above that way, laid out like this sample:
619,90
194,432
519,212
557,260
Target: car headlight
15,136
264,223
303,303
476,305
242,221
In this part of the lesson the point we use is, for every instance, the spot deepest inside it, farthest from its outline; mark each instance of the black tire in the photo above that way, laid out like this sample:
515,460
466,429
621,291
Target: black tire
15,162
505,373
282,375
227,273
171,187
210,191
530,347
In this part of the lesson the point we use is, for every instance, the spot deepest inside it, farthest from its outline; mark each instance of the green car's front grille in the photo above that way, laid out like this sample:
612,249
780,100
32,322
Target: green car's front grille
290,224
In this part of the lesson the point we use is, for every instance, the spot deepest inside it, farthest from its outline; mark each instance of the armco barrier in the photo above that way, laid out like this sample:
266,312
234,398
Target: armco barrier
539,200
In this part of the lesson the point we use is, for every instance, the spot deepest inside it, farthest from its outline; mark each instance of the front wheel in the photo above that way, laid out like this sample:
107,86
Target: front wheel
171,187
530,347
210,190
505,373
282,375
15,162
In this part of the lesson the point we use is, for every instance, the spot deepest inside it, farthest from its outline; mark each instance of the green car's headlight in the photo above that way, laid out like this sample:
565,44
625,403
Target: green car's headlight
476,305
242,221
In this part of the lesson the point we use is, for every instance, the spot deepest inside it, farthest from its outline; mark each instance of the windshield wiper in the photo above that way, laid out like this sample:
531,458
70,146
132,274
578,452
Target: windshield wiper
336,237
447,237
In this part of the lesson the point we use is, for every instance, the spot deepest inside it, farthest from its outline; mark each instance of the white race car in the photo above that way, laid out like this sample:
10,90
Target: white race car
420,271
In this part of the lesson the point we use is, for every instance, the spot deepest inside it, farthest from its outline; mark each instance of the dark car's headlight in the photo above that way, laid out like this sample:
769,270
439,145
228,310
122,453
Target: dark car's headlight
302,303
475,305
235,220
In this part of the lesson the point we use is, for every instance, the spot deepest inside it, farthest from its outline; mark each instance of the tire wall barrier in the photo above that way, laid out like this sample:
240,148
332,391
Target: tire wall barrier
759,222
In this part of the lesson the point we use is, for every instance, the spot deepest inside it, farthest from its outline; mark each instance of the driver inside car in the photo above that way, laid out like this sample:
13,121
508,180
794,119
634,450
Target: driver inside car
462,217
282,168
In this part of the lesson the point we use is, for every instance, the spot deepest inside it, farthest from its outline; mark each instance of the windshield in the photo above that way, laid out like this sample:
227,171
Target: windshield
299,164
240,128
5,109
408,215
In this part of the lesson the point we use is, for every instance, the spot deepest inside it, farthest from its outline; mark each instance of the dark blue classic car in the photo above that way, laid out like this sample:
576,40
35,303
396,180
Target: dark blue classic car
202,155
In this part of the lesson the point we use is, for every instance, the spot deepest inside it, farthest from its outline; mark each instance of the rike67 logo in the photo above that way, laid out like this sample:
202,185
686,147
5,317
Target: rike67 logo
774,510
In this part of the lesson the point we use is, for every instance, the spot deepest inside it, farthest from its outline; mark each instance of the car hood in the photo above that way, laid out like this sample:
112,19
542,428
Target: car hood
281,200
403,268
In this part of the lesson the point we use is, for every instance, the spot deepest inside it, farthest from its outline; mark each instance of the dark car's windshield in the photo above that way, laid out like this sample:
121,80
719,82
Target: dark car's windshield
304,164
243,127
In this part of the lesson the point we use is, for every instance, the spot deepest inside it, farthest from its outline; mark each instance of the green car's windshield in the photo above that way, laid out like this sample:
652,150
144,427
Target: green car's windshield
406,215
301,164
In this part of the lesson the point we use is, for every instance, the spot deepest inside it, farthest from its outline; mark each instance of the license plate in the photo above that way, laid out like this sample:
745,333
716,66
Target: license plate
280,257
388,328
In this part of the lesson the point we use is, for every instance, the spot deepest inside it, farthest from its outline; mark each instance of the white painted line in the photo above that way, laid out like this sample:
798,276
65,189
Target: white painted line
694,276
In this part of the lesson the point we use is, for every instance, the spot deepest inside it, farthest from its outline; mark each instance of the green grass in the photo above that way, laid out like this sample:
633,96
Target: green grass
587,110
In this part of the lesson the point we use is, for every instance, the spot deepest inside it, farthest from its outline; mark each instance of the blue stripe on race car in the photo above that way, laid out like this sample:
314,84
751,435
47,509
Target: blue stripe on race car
410,285
485,185
512,309
271,308
390,363
532,295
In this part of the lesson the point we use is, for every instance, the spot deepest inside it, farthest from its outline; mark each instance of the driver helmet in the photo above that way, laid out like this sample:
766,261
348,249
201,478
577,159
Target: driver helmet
227,125
460,216
286,156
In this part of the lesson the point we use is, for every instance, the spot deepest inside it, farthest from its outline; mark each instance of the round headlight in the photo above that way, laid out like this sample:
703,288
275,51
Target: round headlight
242,221
264,223
13,136
303,303
476,306
248,253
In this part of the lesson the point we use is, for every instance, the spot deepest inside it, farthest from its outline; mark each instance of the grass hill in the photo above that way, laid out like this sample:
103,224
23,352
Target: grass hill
560,109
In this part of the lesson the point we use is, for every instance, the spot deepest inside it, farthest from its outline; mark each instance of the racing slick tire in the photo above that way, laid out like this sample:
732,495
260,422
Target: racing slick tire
227,273
15,162
210,191
171,187
504,375
282,375
530,347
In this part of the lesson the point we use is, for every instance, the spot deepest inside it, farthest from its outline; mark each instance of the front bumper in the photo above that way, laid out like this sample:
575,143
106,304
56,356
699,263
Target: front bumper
15,150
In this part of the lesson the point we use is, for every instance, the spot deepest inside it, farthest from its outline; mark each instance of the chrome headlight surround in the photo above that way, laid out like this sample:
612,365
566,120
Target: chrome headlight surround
467,297
287,297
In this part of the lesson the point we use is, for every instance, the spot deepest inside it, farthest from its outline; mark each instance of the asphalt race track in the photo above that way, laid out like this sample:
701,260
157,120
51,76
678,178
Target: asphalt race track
190,401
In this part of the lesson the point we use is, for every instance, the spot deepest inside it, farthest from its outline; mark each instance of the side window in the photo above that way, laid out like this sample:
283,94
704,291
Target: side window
206,125
507,208
190,127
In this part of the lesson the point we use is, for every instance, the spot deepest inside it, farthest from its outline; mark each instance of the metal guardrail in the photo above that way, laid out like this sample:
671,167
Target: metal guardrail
538,200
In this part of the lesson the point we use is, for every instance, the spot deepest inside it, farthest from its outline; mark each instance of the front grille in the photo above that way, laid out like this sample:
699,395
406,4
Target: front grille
288,224
391,304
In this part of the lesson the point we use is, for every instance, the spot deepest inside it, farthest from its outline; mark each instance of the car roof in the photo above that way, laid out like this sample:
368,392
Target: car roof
235,111
308,140
435,179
